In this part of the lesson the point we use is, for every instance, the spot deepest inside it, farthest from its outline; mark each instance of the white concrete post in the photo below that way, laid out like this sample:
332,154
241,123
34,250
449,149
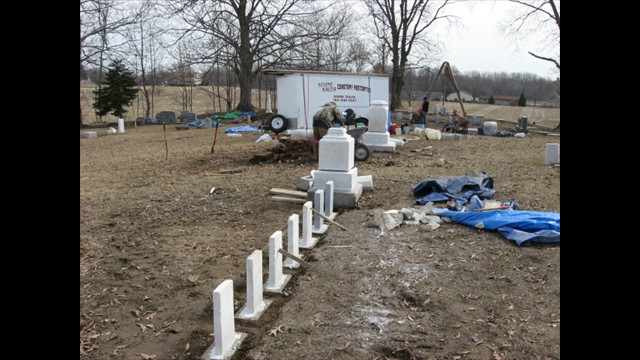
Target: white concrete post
255,305
120,125
318,204
226,339
276,280
293,244
307,241
268,110
328,198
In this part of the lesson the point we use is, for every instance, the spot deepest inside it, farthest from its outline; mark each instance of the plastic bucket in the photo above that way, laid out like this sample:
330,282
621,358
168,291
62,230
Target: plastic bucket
419,132
433,134
490,127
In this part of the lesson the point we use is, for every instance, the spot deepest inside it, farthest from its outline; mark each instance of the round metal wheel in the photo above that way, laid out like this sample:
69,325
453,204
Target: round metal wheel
361,152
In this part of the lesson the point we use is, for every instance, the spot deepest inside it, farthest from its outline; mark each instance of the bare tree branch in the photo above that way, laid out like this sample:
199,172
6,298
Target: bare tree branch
547,59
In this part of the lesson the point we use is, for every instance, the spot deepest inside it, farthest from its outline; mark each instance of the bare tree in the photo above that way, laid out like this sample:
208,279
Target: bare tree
537,16
260,33
144,45
98,20
401,25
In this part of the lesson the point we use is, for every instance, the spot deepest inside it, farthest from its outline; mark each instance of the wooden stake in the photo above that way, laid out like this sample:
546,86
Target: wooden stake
293,257
328,219
166,145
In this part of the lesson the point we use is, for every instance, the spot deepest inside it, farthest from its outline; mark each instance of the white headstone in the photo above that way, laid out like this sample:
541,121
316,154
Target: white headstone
336,150
255,305
226,339
276,280
378,116
121,126
293,242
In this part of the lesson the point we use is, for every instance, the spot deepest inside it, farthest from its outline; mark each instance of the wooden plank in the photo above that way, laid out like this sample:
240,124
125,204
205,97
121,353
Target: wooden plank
293,257
328,219
288,199
292,193
423,149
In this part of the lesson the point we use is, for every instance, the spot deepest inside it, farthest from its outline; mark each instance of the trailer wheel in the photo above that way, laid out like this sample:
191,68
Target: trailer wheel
278,123
362,152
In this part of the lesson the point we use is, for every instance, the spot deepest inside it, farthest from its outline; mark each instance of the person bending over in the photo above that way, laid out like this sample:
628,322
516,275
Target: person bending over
322,121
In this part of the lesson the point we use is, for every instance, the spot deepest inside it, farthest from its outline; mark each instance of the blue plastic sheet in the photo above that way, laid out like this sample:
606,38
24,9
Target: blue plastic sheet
457,188
196,124
517,225
237,129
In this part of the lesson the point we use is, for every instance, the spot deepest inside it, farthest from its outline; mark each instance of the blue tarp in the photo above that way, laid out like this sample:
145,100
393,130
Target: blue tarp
517,225
196,124
457,188
237,129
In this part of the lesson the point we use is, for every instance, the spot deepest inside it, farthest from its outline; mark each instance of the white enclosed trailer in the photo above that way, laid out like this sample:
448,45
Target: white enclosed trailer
300,93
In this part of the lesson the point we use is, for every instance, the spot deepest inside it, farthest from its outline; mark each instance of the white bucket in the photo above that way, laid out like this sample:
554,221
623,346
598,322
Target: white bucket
490,127
433,134
418,132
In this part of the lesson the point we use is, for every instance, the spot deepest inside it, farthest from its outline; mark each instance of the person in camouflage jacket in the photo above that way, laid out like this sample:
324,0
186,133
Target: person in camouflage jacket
322,121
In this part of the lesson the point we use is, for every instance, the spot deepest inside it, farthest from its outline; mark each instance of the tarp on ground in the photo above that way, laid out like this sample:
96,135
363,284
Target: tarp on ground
457,188
196,124
517,225
234,115
237,129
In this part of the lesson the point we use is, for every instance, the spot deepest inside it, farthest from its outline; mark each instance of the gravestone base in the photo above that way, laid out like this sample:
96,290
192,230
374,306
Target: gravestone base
342,199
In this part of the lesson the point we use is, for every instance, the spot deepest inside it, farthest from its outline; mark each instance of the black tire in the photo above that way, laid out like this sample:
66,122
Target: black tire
278,123
362,152
363,120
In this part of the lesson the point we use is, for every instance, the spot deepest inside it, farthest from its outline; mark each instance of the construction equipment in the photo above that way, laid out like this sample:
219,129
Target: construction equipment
456,123
448,74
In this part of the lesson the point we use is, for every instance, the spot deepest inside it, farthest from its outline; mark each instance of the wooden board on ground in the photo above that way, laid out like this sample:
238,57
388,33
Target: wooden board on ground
288,199
423,149
491,205
292,193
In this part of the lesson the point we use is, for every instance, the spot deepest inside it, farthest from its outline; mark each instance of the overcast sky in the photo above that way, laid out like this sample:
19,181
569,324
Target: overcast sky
479,45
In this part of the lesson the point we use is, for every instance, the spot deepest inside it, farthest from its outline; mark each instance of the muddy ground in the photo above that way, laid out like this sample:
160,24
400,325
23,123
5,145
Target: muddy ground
154,244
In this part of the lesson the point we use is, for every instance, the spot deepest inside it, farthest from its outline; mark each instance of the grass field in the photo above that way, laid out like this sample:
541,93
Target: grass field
170,98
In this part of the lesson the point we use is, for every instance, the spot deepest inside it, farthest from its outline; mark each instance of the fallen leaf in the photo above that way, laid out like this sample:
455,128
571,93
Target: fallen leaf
276,330
344,347
193,278
150,316
148,357
136,312
186,347
119,347
511,332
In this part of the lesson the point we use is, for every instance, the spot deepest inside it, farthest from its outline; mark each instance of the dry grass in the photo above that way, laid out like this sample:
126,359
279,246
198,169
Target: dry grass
170,98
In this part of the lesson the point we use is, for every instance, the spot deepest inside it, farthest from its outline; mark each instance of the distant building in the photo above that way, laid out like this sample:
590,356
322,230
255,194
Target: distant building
500,99
466,96
436,96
